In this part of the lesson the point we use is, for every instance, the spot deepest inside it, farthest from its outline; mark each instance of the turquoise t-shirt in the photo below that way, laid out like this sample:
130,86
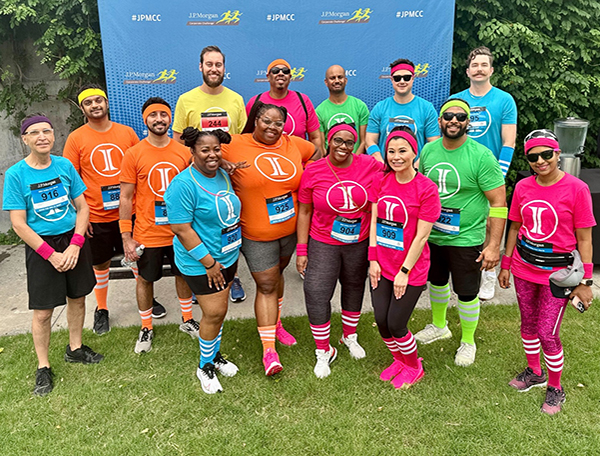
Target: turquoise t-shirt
213,209
45,194
352,111
462,176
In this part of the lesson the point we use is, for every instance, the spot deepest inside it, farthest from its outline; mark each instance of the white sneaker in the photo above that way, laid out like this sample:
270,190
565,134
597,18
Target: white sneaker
431,333
227,368
356,351
488,284
324,359
190,327
144,342
465,355
208,379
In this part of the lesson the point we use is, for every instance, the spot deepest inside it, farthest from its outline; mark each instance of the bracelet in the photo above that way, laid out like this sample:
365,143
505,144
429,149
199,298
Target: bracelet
506,262
499,212
373,149
211,266
301,249
588,270
198,252
372,255
125,226
78,240
45,251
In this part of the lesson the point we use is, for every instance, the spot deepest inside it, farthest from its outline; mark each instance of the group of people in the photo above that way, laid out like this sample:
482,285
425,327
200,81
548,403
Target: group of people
398,197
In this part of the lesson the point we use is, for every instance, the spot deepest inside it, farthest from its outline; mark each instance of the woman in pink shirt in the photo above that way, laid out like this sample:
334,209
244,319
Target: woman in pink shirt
405,204
551,215
334,210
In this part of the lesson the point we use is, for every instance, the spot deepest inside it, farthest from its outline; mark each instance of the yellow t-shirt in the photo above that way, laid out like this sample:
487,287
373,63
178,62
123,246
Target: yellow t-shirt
208,112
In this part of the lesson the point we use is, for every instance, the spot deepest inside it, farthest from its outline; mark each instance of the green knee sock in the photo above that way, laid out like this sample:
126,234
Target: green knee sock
469,317
439,298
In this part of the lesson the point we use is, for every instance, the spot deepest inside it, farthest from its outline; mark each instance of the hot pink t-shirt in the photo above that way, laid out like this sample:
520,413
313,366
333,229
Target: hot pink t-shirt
549,217
399,207
341,209
296,123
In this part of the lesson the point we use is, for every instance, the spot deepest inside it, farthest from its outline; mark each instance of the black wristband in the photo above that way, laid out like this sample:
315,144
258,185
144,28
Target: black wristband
405,270
211,266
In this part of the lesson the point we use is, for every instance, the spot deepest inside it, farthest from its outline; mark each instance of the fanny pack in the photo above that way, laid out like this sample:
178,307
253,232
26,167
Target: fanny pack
546,259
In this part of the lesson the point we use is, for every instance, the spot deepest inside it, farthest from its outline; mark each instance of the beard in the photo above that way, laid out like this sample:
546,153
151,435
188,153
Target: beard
152,128
212,84
458,134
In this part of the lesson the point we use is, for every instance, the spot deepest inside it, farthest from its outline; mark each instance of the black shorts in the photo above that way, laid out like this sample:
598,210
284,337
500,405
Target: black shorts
199,284
48,288
458,261
106,242
150,264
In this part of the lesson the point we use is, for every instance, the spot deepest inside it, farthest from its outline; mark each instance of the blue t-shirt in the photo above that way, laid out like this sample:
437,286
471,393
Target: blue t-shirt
488,114
45,194
213,209
419,115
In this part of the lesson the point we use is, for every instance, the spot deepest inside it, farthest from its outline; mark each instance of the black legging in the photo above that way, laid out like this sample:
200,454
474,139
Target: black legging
391,314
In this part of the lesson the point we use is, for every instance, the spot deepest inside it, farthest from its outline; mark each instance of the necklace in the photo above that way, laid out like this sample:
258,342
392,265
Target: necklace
207,191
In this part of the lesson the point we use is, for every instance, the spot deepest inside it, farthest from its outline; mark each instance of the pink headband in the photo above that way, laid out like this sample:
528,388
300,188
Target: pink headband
403,66
404,135
534,142
341,127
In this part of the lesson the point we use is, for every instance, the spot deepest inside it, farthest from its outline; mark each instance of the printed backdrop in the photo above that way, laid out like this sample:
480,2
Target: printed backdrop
152,48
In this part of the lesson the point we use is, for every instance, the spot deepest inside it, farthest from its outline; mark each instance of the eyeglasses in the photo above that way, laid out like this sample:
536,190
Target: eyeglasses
402,77
276,123
460,116
339,141
545,154
277,70
36,133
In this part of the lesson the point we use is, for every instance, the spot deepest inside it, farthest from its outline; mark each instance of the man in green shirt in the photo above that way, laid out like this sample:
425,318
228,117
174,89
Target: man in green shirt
340,107
471,188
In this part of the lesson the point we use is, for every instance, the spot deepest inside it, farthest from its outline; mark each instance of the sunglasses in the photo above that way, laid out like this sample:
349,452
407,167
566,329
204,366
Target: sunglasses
339,141
460,116
282,70
402,77
546,155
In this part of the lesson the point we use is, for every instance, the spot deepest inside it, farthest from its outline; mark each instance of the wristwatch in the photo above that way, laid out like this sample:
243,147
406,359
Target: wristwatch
405,270
587,282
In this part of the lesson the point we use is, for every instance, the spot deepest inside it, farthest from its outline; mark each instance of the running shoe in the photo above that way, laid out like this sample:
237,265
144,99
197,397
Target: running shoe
555,398
409,376
465,355
527,380
356,351
283,336
488,285
101,325
194,300
158,310
190,327
236,292
324,359
208,379
271,362
227,368
144,342
43,381
392,370
432,333
83,355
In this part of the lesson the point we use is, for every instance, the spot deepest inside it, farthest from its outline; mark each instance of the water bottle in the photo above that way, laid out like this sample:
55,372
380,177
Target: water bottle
129,264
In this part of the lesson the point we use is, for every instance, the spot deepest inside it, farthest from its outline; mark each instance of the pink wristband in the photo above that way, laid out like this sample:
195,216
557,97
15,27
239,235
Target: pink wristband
372,255
45,251
301,250
588,270
506,262
78,240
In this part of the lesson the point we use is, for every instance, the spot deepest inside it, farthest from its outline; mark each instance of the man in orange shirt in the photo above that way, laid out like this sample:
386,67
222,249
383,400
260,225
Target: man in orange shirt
147,170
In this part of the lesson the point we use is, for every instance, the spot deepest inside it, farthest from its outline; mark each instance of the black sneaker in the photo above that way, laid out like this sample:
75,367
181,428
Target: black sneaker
527,380
101,325
194,300
43,381
83,355
555,398
158,310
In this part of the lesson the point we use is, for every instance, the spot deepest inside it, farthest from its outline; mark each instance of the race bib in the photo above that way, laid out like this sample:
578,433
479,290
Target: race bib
390,234
280,208
449,221
49,196
111,195
479,121
160,213
231,238
345,230
214,120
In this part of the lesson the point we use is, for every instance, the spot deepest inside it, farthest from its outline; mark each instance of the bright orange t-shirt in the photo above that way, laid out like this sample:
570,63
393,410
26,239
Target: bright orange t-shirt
268,189
97,158
152,169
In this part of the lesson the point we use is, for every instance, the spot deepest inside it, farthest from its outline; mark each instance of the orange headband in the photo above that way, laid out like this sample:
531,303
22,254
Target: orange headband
156,107
276,62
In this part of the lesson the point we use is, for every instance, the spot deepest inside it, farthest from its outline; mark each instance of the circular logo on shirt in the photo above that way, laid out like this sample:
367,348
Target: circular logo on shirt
447,179
397,121
480,122
539,220
275,167
346,197
290,119
393,209
160,176
340,117
228,207
106,159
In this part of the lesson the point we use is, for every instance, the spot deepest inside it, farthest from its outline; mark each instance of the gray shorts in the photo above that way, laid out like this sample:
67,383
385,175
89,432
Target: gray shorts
261,256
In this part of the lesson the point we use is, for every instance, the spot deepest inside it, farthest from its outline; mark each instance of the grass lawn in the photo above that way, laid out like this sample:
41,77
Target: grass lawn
153,404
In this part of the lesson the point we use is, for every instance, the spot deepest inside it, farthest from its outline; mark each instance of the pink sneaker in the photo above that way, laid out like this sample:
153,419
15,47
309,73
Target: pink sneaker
409,376
271,362
283,336
392,370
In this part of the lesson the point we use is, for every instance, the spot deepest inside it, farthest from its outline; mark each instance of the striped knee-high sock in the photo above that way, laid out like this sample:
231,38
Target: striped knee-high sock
393,348
321,335
439,298
207,351
279,306
469,317
186,308
136,271
267,337
146,316
554,363
101,288
218,345
408,348
531,345
349,322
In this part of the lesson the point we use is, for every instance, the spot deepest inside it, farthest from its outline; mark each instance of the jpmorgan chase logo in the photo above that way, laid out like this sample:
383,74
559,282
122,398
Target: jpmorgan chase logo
229,17
358,16
421,71
446,177
166,76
